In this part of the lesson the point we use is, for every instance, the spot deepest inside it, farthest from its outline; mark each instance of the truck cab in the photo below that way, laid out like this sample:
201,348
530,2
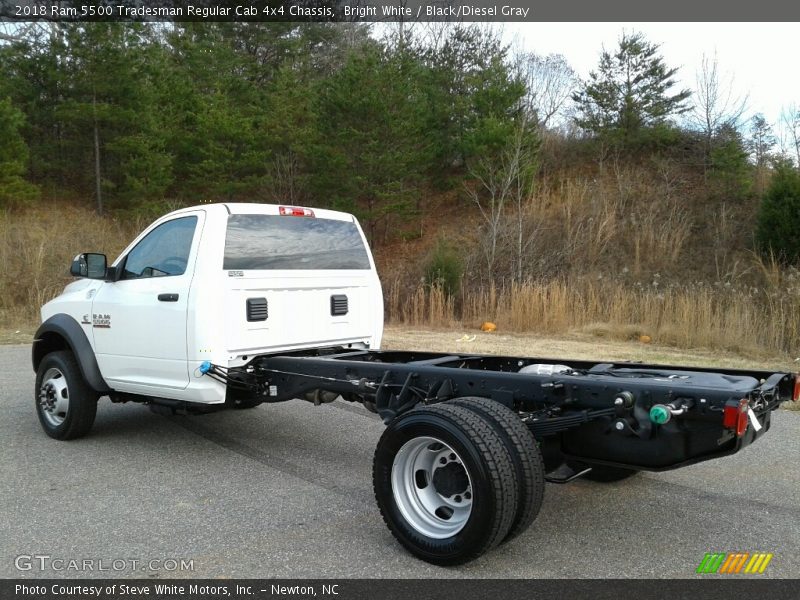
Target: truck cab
219,283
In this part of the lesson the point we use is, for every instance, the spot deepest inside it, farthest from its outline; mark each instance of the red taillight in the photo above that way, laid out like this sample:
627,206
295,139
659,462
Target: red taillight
735,416
295,211
796,393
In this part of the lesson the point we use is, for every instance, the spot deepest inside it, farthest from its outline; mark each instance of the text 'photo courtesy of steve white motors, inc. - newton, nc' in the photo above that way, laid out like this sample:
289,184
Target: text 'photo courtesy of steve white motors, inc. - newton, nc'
195,590
260,11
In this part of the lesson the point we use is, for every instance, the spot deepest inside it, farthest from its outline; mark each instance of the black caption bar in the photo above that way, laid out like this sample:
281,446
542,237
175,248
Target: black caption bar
397,10
442,589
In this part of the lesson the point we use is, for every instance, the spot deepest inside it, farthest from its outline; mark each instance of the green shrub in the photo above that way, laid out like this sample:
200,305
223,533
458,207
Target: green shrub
778,230
444,268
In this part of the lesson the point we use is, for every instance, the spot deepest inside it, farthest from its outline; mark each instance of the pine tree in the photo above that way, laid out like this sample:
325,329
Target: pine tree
372,148
761,144
109,129
779,216
472,96
14,189
730,175
629,95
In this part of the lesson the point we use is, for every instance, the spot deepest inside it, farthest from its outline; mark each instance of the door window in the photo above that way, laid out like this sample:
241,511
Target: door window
163,252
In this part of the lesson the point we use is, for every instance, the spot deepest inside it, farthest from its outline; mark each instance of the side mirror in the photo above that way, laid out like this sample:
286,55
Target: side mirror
89,265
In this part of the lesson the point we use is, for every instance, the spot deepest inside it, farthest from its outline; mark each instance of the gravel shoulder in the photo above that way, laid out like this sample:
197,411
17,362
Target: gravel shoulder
574,345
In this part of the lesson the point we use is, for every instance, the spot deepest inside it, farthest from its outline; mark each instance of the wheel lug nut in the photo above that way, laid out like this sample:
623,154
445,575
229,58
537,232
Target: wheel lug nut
458,498
467,495
443,460
452,456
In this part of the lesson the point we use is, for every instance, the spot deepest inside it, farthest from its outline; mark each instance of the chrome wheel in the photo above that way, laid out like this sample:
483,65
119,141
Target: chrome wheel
54,397
431,487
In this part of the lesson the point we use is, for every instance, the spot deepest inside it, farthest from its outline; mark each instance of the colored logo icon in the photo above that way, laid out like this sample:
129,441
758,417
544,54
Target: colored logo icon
734,562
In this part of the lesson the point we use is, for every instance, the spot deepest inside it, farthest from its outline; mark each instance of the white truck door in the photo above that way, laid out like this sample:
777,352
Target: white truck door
139,322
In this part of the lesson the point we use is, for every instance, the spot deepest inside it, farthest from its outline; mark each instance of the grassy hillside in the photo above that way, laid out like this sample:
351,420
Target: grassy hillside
611,258
616,253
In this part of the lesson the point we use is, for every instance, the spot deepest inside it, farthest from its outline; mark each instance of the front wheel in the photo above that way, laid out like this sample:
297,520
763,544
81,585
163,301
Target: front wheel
65,403
445,484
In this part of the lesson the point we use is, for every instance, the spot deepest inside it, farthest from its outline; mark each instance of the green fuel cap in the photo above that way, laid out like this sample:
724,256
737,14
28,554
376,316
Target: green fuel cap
660,414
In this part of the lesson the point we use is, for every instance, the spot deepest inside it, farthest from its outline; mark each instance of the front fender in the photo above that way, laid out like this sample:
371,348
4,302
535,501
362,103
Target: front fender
62,332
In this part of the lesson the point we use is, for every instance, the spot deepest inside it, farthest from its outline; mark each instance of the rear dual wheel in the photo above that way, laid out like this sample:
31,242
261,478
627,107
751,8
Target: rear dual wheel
447,481
525,456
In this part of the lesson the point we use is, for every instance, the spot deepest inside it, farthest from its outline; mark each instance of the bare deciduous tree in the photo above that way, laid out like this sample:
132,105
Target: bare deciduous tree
716,104
549,82
790,131
286,179
496,183
11,33
433,34
762,140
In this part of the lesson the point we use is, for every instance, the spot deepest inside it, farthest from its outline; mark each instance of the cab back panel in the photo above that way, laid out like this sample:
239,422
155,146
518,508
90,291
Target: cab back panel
269,313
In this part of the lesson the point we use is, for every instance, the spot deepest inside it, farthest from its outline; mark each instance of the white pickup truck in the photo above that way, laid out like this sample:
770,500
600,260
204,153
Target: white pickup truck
234,305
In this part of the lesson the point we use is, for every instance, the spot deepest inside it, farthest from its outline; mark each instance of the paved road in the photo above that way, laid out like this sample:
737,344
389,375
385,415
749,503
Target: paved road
285,491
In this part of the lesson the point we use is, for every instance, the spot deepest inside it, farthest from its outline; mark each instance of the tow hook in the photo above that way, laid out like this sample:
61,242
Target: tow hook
661,414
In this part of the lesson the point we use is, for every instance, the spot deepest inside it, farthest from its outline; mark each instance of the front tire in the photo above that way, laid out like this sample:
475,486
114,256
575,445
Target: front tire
65,404
445,484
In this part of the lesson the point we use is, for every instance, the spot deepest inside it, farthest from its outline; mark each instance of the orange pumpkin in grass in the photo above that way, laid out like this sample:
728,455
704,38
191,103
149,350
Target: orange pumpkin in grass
487,326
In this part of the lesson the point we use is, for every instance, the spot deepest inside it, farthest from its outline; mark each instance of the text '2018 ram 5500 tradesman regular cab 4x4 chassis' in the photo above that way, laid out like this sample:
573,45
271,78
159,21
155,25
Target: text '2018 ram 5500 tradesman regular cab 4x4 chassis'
234,305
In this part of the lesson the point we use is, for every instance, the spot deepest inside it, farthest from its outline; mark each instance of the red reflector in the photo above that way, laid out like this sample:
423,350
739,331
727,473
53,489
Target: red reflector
796,394
741,426
734,416
295,211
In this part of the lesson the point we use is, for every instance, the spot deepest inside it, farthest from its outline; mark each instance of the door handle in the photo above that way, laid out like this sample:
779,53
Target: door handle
168,297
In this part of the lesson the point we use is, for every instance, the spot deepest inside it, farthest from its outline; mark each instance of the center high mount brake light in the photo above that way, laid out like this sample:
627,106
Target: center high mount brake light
295,211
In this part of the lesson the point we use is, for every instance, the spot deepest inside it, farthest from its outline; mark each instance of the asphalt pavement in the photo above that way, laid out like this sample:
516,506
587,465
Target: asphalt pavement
285,491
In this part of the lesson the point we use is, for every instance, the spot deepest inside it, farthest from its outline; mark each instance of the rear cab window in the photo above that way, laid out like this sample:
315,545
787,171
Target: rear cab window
273,242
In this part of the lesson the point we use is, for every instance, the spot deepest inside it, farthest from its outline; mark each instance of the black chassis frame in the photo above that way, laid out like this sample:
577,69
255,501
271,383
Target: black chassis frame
393,382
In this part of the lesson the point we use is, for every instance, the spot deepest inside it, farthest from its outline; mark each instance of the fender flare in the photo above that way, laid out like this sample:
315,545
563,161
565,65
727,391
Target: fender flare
61,332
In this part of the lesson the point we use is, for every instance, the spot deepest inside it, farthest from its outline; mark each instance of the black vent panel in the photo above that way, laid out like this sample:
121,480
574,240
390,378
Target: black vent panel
338,305
257,309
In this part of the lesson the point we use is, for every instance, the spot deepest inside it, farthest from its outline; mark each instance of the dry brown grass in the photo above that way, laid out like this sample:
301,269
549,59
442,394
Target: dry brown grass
693,317
36,248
